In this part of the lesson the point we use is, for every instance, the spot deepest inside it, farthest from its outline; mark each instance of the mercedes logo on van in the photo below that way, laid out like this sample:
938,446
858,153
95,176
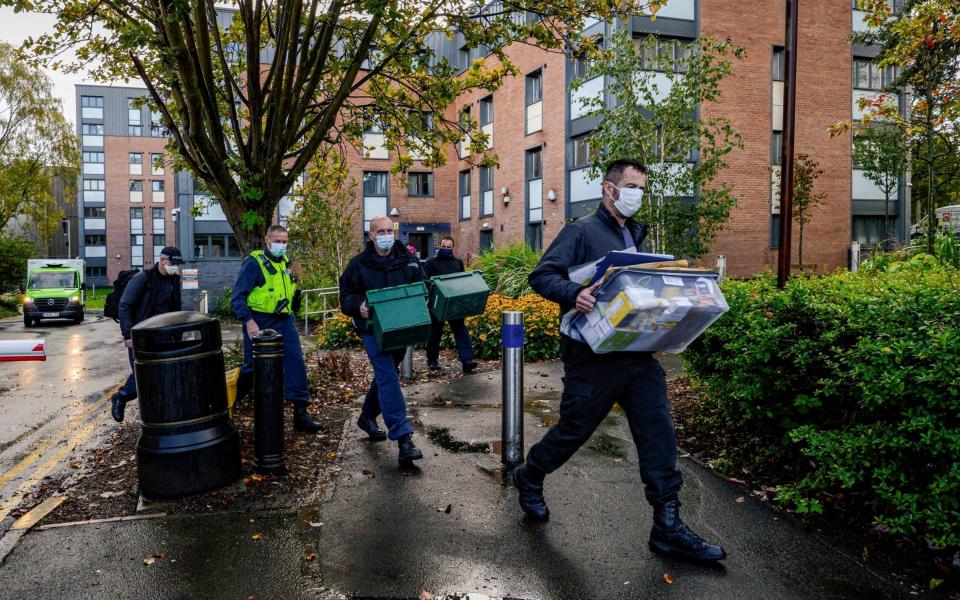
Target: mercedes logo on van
50,301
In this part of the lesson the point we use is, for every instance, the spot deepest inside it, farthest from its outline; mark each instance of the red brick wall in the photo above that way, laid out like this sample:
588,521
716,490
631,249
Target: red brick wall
823,98
117,182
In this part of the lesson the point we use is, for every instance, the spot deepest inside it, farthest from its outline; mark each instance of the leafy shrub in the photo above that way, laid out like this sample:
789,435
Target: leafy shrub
506,269
14,253
541,329
220,306
849,382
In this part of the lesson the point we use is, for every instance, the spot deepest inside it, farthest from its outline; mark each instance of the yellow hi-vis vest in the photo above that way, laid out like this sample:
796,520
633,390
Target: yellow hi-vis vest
278,285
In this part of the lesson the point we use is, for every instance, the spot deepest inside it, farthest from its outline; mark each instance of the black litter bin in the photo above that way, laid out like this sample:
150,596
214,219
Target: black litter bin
187,443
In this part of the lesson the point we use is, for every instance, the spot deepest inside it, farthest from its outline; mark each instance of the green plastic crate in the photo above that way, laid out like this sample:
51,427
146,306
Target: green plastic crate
458,295
399,316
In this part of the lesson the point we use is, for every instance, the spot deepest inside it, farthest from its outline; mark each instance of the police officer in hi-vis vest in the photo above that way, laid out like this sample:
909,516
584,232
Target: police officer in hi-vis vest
265,296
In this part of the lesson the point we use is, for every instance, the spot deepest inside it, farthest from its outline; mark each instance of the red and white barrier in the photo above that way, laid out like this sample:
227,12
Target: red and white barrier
15,350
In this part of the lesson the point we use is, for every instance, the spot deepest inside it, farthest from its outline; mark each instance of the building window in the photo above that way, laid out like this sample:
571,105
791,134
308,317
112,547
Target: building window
779,63
134,130
776,148
156,163
93,163
159,240
136,190
156,185
93,184
583,153
159,226
660,53
94,239
376,185
420,184
93,157
156,127
464,194
92,129
869,76
486,111
465,126
92,134
463,57
534,179
91,107
486,191
534,101
133,112
96,272
215,246
94,212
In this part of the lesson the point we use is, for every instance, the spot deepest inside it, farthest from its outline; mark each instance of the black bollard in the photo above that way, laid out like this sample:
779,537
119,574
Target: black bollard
268,402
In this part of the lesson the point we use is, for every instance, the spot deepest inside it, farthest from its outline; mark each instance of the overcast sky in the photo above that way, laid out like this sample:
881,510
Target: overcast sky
16,27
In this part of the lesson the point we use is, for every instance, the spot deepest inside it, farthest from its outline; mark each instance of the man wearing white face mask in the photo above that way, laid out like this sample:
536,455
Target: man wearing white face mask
150,293
592,383
266,296
384,262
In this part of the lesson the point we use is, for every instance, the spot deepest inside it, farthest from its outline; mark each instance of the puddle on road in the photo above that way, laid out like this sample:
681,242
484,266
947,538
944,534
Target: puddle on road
441,437
607,445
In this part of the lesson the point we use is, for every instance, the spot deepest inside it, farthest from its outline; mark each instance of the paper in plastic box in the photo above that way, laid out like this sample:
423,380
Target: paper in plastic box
651,310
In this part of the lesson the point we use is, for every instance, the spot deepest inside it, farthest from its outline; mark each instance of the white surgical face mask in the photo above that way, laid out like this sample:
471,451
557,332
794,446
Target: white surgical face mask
278,248
172,269
629,201
385,242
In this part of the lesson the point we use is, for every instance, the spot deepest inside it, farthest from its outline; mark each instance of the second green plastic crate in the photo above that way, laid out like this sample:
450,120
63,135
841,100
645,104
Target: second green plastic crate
458,295
399,316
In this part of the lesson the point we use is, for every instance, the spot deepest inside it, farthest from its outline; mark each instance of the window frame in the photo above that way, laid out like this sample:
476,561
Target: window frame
464,190
418,192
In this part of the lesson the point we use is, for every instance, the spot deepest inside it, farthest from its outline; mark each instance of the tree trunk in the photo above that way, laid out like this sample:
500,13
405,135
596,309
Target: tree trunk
886,213
800,243
931,208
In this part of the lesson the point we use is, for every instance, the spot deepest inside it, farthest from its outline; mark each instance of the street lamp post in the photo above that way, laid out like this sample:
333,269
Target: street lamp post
789,122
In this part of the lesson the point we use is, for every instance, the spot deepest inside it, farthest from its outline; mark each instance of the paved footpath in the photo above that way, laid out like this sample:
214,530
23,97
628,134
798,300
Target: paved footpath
450,526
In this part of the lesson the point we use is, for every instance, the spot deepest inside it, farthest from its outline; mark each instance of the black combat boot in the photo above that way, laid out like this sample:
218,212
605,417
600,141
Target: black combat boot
469,366
371,428
407,450
117,405
671,536
529,484
302,420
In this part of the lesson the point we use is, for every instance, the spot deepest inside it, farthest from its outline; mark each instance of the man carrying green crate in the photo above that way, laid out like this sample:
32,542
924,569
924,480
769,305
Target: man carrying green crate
445,263
592,382
384,262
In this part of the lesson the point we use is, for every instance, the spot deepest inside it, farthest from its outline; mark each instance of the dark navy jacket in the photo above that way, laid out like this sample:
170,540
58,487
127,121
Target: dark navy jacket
586,239
147,295
370,271
443,266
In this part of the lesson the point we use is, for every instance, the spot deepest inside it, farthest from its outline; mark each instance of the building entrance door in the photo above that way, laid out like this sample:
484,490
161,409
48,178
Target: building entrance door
422,242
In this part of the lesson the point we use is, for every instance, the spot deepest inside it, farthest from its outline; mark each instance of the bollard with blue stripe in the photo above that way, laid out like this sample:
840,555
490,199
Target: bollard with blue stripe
511,366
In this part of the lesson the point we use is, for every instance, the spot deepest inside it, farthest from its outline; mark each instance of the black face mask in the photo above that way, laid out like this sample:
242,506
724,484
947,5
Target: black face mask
445,252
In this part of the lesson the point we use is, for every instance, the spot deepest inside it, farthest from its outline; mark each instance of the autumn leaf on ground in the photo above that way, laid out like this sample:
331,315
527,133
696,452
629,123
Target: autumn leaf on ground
256,536
425,595
311,557
154,557
668,578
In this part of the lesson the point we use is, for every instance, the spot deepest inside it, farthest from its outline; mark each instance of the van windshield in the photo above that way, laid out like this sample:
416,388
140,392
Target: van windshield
44,280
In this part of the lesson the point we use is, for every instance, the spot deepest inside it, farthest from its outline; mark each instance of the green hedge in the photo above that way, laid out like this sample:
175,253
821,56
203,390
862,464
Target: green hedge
541,329
506,269
849,382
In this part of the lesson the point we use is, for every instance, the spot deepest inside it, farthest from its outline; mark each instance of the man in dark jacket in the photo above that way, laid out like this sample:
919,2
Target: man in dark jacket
446,263
265,296
149,293
594,382
384,262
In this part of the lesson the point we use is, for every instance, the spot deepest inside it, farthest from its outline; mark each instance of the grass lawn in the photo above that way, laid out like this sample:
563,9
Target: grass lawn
95,301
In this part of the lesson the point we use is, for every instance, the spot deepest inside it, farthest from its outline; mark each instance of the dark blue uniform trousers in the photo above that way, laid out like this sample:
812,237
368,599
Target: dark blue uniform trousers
592,383
461,336
129,390
294,369
385,396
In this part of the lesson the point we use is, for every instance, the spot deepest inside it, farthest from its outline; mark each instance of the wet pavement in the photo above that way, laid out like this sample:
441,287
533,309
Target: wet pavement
449,526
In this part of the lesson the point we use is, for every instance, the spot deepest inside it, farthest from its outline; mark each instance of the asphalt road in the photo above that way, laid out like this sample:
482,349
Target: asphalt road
49,408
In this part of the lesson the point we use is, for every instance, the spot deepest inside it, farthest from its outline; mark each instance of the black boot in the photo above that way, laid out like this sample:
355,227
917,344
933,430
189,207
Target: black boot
373,430
117,405
433,366
671,536
529,484
469,366
407,451
302,420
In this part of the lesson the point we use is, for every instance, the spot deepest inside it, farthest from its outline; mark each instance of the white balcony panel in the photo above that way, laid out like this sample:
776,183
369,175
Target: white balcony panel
94,223
859,25
159,197
374,146
487,208
93,141
136,226
136,197
156,253
678,9
94,196
675,174
465,207
209,211
583,187
158,226
488,129
590,90
864,189
659,84
156,170
890,100
535,117
136,169
775,190
778,105
91,112
95,251
285,207
93,168
534,194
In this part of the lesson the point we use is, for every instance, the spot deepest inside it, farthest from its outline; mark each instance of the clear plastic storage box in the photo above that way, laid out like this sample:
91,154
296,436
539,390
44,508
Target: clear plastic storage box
651,310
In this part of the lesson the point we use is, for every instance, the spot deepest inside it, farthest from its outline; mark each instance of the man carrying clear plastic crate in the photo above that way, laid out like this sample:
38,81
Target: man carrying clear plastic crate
594,382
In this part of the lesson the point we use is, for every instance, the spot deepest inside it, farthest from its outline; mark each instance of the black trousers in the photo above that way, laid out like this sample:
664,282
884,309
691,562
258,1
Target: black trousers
592,383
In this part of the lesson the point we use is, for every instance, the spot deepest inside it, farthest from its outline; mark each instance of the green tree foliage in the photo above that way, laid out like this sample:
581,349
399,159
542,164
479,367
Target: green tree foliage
922,43
251,99
882,153
324,221
686,207
806,171
36,144
506,269
14,253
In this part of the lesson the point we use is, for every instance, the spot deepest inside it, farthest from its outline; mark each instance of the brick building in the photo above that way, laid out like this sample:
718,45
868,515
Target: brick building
538,131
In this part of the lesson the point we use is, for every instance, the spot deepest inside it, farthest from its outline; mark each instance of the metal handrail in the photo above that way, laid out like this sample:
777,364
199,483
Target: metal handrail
325,310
